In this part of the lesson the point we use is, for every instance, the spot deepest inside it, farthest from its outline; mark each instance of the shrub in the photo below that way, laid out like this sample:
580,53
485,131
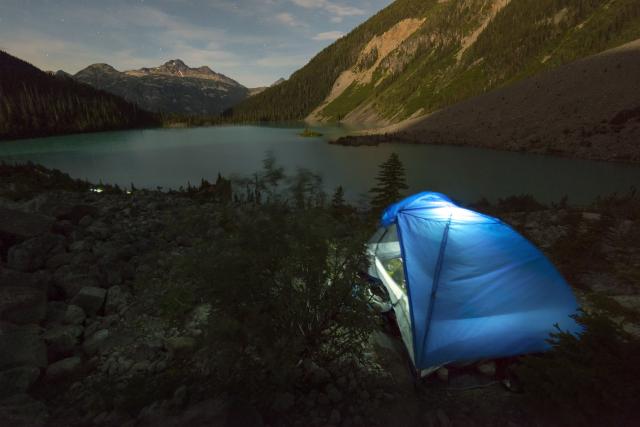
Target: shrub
591,379
283,284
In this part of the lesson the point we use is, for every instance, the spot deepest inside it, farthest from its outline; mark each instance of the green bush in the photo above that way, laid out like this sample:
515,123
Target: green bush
591,379
282,280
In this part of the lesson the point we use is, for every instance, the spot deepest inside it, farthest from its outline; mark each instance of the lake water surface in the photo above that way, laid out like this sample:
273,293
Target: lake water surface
172,157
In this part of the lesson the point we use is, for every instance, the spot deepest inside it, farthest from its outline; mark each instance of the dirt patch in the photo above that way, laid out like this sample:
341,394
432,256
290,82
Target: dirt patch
468,41
382,46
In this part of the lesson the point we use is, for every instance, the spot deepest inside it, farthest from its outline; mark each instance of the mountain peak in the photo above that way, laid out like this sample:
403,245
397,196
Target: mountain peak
174,65
98,69
102,66
176,62
177,68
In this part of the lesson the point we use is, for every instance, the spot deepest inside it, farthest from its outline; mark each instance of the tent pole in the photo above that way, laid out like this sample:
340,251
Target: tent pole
436,282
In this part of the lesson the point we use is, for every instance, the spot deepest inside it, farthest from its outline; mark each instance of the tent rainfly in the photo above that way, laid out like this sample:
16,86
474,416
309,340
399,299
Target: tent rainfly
465,286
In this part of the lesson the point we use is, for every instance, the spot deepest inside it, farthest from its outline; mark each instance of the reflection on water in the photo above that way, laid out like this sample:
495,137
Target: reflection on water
172,157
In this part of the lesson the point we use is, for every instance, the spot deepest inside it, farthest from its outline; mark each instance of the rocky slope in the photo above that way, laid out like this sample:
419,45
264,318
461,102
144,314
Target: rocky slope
588,109
170,88
85,339
419,56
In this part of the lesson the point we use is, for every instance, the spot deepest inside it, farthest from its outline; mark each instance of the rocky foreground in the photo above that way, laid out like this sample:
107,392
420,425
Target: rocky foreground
84,328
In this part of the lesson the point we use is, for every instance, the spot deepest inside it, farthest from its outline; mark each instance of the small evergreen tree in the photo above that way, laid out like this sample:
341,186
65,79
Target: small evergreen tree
390,183
338,205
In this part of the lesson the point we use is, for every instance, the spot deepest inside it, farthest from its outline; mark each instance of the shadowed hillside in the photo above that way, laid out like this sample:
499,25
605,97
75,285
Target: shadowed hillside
588,109
34,103
418,56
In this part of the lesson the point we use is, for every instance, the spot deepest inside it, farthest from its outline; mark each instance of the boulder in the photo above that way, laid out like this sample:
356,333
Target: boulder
90,299
117,298
71,281
591,216
199,319
62,340
85,221
21,410
63,227
21,346
81,246
334,395
58,260
74,315
443,374
69,211
110,252
487,369
22,296
99,230
283,402
390,353
212,412
63,369
10,277
32,254
335,417
95,342
114,276
180,345
83,258
17,380
21,225
22,304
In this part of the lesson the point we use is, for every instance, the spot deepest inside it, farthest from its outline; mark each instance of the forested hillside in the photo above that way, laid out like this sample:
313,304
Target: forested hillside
461,49
293,99
34,103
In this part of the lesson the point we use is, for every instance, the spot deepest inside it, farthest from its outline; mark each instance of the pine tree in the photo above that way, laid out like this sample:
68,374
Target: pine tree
338,205
390,183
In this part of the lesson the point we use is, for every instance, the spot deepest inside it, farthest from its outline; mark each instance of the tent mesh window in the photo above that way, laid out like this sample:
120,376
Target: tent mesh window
389,254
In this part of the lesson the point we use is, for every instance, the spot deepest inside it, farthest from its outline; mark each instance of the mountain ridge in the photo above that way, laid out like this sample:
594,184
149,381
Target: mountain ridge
589,109
177,68
460,50
170,88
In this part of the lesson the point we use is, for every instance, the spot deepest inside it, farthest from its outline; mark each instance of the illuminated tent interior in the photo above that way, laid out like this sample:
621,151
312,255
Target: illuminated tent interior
465,286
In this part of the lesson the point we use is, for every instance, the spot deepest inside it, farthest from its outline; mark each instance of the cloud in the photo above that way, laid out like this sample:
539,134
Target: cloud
287,19
329,35
252,41
338,11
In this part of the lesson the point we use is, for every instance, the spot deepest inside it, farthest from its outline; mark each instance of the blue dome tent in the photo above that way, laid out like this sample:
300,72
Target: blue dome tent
465,286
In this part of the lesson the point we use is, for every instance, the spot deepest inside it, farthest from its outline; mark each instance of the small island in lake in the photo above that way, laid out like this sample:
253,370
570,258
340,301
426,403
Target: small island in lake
308,133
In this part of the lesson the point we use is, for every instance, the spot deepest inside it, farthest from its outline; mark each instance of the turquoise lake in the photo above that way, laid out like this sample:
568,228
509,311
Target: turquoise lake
171,158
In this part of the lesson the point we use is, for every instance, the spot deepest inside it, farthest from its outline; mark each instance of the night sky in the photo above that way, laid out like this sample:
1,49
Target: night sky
253,41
